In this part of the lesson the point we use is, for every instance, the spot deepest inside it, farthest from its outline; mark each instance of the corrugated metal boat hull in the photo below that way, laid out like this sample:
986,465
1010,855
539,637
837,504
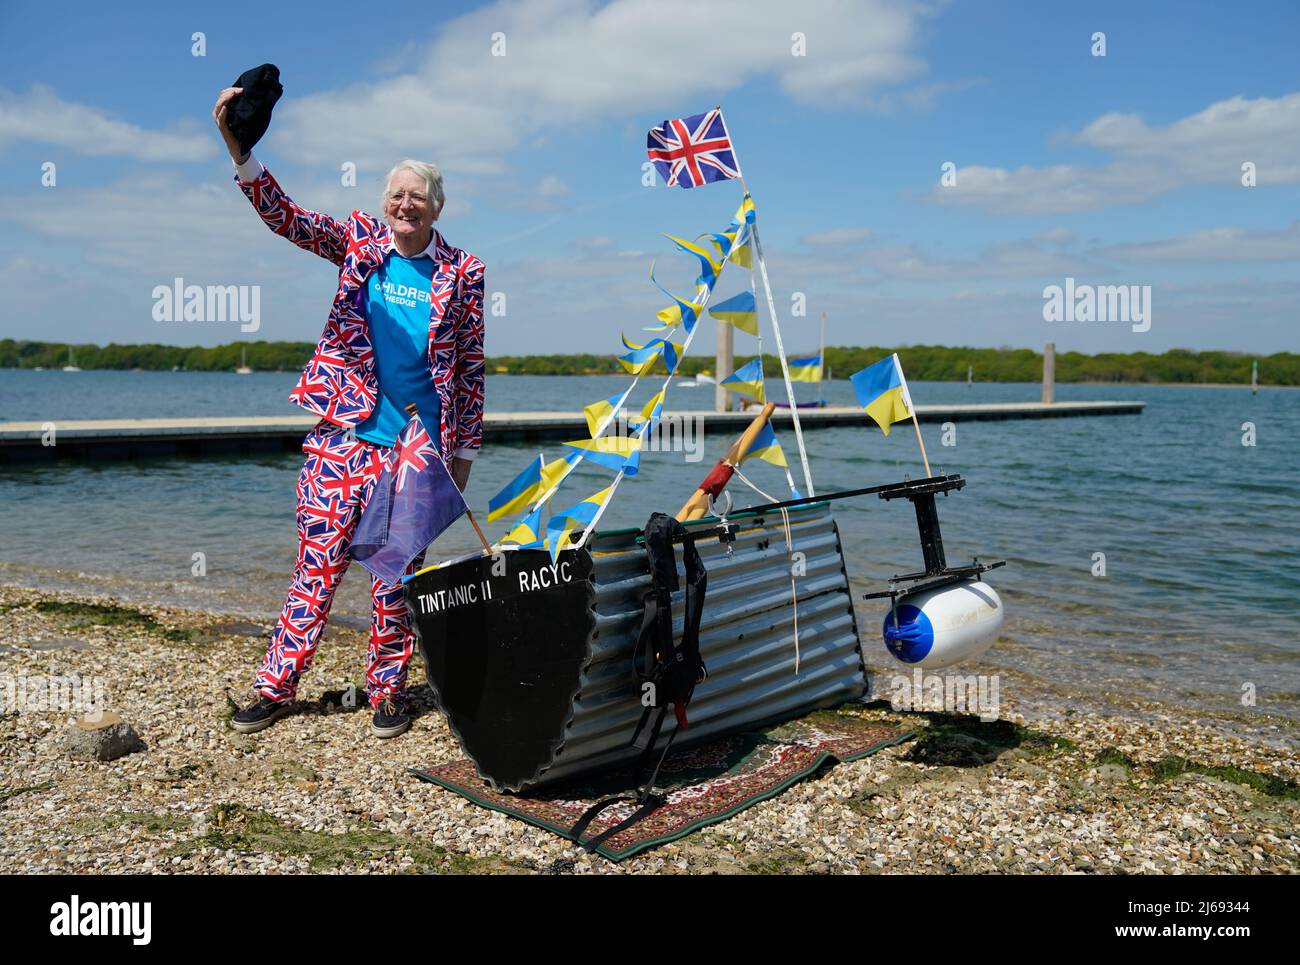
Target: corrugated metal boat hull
747,641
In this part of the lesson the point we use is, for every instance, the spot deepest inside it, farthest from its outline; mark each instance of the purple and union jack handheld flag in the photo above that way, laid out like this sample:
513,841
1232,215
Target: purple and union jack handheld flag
413,501
691,151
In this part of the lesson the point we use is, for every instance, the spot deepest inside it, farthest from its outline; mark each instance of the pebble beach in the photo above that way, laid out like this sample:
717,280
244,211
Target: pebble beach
1149,790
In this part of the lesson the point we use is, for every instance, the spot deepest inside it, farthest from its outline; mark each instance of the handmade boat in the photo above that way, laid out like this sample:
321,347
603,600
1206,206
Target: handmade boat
532,664
530,645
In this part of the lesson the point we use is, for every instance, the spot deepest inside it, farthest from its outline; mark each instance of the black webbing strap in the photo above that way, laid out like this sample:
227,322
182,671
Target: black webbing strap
645,794
673,670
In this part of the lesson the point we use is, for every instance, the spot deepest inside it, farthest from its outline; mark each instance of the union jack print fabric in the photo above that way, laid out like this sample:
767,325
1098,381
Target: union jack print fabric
339,382
691,151
336,483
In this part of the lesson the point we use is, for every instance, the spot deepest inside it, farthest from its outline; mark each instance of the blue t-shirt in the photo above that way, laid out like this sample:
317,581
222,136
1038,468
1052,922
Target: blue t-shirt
397,308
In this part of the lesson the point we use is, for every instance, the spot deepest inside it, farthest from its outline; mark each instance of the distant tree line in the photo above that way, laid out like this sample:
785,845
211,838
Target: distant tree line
921,362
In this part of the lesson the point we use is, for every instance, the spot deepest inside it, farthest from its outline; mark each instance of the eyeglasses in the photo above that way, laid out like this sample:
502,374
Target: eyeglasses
397,197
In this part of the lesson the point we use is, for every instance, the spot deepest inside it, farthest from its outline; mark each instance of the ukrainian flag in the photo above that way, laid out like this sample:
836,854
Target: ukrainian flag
881,389
563,523
642,358
739,310
740,253
525,488
806,369
599,413
527,532
650,414
766,447
679,312
747,380
708,267
518,493
612,452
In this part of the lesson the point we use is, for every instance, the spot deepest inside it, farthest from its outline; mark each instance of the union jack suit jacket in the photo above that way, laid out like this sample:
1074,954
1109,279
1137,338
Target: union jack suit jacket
339,383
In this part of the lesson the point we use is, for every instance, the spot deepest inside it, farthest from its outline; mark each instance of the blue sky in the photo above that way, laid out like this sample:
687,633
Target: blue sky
1115,170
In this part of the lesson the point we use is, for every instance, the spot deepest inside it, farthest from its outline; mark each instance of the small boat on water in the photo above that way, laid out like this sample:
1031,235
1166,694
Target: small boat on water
71,366
243,363
704,378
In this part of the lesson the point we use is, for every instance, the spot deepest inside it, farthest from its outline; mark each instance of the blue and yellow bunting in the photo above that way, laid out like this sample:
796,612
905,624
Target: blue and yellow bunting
599,413
517,493
650,413
563,523
747,380
527,533
766,447
641,358
680,312
741,249
538,477
739,310
708,267
608,451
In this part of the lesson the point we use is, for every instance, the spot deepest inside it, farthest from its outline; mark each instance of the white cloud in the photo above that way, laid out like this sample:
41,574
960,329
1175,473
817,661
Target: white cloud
1205,148
1215,245
40,115
838,258
838,236
1056,236
552,187
571,61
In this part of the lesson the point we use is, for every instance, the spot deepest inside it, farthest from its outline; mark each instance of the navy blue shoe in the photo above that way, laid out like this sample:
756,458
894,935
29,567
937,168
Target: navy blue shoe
260,715
390,719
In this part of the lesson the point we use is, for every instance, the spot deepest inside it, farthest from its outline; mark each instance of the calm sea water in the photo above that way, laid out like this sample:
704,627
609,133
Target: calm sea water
1201,534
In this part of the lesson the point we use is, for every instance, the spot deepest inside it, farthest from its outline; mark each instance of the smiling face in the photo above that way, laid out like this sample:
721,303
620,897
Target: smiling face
408,209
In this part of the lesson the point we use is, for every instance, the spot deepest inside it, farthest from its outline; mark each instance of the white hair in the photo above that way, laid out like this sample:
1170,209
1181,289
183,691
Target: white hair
429,172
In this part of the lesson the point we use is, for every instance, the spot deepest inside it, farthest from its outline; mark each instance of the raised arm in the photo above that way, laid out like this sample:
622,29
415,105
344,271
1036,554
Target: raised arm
309,230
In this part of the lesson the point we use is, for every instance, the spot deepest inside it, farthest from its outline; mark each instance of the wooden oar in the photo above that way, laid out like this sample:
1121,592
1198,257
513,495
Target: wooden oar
716,481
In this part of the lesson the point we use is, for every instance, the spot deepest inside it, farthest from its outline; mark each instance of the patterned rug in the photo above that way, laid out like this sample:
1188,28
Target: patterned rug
704,785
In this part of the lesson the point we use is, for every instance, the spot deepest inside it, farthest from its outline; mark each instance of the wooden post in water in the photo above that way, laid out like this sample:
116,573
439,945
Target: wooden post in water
1049,373
722,366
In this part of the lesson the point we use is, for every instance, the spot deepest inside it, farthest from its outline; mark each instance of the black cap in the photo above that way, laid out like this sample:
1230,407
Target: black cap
249,114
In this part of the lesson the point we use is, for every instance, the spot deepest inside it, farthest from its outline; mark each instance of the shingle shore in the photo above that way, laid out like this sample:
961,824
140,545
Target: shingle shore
1087,792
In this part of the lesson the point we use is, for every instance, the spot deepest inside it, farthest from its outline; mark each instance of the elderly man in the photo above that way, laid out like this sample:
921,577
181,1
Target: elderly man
406,326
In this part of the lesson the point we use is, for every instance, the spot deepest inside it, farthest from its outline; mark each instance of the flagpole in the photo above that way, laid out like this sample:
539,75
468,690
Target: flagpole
911,407
821,359
481,538
780,349
701,300
412,410
776,330
924,458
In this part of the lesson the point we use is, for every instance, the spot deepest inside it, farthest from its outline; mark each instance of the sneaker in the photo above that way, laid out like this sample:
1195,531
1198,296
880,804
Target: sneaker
390,719
260,715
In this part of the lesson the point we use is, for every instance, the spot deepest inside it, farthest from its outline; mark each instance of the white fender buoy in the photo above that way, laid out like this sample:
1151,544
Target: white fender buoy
945,625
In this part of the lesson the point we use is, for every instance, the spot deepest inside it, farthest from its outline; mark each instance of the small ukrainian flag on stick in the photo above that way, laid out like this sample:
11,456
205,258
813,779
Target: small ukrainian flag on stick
881,389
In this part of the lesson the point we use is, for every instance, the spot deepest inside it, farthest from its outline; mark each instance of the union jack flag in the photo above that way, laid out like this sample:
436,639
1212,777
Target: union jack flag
413,501
691,151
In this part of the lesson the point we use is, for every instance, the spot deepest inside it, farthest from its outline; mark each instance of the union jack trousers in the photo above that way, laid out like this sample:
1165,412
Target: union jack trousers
334,486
